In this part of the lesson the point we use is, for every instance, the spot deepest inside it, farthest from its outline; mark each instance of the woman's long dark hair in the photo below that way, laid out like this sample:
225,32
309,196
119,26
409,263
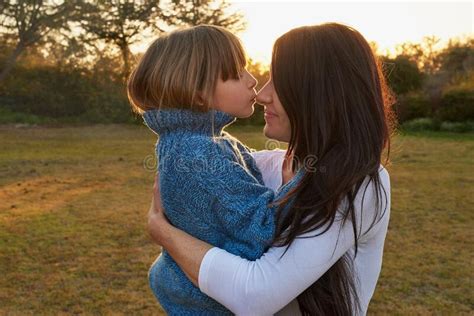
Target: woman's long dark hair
333,90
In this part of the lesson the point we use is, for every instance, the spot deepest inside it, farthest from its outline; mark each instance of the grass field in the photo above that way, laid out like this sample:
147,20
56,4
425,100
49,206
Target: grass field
73,204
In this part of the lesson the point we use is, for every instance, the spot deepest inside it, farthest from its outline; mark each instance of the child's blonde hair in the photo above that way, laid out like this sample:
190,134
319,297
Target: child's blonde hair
181,69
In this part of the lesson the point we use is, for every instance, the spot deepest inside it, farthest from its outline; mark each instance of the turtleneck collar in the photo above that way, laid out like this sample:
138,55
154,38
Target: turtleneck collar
167,120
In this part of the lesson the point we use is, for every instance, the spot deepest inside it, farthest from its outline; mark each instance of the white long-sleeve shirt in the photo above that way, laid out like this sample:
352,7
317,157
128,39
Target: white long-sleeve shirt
271,284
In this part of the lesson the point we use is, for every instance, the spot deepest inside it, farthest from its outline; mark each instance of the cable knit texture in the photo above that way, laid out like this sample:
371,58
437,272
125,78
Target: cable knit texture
211,188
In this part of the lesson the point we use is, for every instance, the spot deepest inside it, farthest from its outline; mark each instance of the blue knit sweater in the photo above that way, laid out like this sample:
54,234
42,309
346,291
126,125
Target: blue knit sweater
212,189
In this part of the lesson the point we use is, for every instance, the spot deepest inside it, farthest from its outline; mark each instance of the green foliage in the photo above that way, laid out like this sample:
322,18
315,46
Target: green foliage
429,124
44,91
425,54
458,57
119,23
402,74
196,12
412,106
26,23
457,106
65,95
457,127
419,124
8,116
76,82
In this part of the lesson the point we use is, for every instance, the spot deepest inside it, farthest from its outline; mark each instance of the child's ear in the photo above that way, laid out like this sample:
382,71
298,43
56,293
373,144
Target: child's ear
200,102
199,98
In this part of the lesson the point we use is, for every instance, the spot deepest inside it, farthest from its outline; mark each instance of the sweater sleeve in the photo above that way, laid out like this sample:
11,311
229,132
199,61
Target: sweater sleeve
240,205
266,285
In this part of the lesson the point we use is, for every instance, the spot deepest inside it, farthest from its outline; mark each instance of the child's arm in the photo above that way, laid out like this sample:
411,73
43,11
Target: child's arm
241,203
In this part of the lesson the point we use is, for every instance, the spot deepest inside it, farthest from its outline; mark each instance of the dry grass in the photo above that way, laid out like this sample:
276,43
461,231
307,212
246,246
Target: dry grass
73,203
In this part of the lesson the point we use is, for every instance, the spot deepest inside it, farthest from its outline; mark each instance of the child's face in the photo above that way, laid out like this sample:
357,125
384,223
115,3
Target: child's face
236,96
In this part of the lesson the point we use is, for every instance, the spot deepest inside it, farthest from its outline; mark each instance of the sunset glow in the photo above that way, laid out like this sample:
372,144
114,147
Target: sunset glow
385,23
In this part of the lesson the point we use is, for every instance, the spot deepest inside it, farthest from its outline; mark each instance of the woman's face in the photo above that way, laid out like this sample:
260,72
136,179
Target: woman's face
277,124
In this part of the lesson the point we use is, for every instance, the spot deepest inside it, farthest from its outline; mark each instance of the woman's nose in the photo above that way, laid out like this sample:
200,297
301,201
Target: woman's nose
264,96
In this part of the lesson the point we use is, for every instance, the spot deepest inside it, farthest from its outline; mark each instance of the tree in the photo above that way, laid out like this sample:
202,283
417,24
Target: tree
28,21
120,22
403,74
195,12
124,22
411,51
458,57
430,54
425,54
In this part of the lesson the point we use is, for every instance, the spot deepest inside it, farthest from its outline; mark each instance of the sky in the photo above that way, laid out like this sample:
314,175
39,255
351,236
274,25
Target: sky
387,23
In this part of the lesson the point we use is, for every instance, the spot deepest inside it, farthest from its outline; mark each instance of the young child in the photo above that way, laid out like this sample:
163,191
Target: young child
189,85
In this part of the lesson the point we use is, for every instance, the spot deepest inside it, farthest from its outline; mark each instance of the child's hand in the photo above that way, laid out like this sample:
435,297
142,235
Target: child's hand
157,221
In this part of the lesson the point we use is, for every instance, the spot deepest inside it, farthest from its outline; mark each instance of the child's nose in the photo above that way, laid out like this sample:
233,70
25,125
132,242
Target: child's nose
252,82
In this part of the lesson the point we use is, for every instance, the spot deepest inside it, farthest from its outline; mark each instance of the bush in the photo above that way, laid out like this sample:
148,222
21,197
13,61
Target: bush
429,124
412,106
47,92
420,124
65,95
402,74
457,106
8,116
457,127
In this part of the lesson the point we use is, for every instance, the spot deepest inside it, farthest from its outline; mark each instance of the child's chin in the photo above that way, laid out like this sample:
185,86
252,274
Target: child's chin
246,114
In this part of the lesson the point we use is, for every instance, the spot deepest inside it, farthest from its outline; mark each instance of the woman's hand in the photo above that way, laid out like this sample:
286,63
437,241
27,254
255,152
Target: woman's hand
157,221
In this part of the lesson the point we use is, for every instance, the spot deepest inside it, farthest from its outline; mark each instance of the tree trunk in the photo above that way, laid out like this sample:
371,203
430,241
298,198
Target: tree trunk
126,61
11,60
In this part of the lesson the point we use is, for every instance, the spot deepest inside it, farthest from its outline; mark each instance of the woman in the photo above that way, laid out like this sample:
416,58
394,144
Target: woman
328,99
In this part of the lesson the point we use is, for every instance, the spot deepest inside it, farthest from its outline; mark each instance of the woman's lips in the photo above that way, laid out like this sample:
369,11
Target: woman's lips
269,115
